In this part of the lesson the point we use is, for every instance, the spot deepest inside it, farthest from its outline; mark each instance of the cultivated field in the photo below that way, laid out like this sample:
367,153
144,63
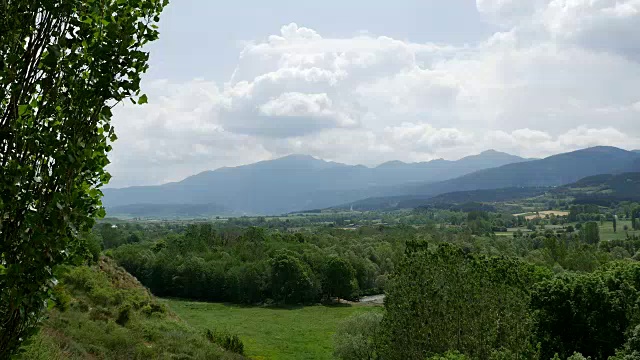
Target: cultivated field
273,333
541,214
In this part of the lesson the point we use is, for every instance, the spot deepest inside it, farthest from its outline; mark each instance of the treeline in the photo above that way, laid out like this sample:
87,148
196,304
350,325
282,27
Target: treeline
255,265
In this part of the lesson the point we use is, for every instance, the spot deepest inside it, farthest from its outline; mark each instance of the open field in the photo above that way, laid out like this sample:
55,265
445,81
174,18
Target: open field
606,230
541,214
272,333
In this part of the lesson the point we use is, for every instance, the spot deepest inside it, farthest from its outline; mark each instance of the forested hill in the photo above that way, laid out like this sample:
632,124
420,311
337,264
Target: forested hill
605,188
288,184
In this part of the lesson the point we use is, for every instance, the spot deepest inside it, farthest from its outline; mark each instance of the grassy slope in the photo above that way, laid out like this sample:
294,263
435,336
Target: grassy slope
87,329
273,333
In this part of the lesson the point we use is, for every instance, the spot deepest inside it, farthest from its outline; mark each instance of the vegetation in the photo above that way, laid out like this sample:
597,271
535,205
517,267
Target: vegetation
442,299
355,337
102,312
64,65
273,332
253,265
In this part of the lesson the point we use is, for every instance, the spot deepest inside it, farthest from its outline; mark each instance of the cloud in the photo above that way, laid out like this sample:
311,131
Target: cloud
552,80
537,143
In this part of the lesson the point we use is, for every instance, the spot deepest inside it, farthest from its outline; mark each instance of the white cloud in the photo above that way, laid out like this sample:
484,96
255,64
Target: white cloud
551,81
536,143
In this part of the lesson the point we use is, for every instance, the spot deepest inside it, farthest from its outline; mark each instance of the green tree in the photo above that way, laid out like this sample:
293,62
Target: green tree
339,279
574,309
615,223
631,348
355,337
591,233
441,300
291,279
64,65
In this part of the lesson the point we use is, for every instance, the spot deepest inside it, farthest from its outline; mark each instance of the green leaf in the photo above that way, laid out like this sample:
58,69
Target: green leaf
143,99
22,109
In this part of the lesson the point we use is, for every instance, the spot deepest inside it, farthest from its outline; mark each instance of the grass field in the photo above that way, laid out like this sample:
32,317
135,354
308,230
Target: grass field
606,230
272,333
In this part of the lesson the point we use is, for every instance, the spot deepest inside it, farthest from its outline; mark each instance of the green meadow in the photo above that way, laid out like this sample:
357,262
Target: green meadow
273,333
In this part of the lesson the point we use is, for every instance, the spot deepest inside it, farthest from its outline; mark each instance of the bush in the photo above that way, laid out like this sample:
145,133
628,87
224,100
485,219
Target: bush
153,308
61,298
355,337
227,341
124,315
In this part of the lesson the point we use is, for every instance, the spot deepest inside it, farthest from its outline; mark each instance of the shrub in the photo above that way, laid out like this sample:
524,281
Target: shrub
99,313
354,339
124,315
153,308
227,341
61,298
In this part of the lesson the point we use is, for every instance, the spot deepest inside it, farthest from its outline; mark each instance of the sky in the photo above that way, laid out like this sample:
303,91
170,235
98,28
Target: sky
365,82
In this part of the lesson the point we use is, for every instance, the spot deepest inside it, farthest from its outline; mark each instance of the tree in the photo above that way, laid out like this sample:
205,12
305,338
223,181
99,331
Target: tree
64,65
615,223
443,299
339,279
291,279
572,310
355,337
591,233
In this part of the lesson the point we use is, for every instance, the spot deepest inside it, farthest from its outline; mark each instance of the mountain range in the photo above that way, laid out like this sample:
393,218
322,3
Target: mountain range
552,171
290,183
299,182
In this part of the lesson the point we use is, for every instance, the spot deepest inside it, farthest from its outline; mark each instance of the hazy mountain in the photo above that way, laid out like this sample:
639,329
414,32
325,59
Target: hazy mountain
552,171
555,170
297,182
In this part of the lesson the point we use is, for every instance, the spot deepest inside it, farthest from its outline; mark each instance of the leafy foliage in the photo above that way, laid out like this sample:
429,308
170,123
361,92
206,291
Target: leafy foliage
355,337
442,299
589,313
63,65
339,279
111,316
226,341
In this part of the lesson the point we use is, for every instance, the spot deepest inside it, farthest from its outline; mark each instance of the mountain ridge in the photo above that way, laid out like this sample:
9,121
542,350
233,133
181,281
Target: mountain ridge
555,170
296,182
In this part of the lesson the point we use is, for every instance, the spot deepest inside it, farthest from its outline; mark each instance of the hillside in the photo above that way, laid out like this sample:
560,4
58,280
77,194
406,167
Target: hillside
291,183
605,188
102,312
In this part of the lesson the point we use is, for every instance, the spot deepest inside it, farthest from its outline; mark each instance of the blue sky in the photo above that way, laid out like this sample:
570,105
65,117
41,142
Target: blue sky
364,82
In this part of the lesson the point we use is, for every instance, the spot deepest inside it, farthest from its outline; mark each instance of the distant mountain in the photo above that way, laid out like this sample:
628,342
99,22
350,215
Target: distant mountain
552,171
297,182
555,170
